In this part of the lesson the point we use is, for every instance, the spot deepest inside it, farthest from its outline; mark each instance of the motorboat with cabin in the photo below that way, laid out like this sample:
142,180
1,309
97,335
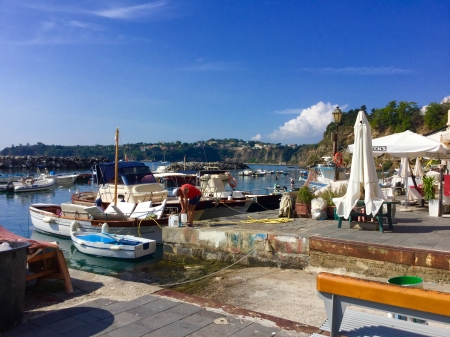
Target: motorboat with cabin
323,174
135,183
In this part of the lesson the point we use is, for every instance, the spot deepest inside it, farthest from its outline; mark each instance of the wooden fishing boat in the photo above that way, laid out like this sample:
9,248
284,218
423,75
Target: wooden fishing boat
110,245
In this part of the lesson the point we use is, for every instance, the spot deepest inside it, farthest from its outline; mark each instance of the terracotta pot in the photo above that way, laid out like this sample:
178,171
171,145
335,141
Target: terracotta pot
330,212
303,210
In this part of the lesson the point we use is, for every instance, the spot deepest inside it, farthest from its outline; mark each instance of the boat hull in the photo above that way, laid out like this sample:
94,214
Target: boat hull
45,219
224,208
98,245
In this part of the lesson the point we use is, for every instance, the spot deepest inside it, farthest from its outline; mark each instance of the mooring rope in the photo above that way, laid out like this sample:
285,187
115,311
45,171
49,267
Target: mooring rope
267,220
214,273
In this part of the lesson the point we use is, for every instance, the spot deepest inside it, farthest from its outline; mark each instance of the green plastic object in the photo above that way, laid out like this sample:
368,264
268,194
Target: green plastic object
406,281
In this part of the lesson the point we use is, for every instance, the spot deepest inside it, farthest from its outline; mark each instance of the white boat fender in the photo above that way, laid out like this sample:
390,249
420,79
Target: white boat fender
73,226
105,228
116,247
49,219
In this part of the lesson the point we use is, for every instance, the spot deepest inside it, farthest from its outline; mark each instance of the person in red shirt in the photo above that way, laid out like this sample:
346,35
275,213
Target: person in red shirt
189,198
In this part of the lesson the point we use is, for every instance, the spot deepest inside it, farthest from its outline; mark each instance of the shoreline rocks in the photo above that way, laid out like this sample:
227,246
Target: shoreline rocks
51,162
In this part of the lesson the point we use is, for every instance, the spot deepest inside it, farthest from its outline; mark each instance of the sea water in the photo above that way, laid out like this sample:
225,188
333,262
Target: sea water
15,217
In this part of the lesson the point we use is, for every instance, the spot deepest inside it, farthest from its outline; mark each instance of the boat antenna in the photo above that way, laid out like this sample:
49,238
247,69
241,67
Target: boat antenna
116,167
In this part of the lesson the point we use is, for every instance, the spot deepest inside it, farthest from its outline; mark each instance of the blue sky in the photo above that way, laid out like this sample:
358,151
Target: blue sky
73,71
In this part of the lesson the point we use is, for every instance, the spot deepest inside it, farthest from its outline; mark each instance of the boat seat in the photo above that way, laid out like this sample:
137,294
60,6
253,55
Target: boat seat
98,213
143,212
142,208
126,207
72,210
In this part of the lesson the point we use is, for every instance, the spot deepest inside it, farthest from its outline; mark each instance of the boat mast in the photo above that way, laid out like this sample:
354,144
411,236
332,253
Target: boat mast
116,167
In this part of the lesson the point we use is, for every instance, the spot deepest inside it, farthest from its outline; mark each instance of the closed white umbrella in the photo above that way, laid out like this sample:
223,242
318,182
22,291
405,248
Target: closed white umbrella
363,172
418,170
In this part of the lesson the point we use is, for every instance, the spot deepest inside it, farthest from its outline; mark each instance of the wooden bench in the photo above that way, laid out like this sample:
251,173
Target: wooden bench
338,291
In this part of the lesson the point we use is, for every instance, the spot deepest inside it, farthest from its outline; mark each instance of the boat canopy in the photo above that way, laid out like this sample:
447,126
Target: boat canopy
130,173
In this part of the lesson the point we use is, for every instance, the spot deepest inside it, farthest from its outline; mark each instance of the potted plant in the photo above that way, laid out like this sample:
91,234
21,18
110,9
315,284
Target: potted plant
328,194
428,194
303,202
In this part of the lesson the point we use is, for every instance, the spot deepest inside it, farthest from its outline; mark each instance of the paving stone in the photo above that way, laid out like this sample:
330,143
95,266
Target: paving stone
161,305
86,317
145,299
48,318
79,309
129,330
125,318
119,307
41,331
97,328
185,309
175,329
234,325
100,313
159,320
24,327
256,330
65,325
202,318
142,311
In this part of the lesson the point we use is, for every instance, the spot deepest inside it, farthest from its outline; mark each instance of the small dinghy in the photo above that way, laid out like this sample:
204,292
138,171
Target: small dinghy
111,245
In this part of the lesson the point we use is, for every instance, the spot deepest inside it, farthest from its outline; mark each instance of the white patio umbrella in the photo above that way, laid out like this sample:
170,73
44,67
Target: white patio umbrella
363,172
405,145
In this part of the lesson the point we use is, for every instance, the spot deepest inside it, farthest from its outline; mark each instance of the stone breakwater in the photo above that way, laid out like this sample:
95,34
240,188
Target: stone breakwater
33,162
51,162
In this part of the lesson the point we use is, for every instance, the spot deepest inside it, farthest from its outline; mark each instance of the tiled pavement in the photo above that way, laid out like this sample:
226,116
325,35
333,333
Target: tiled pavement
148,315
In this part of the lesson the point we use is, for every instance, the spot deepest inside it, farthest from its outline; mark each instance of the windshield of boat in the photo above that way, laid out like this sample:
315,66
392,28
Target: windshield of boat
137,175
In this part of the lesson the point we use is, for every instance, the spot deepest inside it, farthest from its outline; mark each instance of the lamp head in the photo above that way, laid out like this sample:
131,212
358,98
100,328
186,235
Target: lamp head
337,115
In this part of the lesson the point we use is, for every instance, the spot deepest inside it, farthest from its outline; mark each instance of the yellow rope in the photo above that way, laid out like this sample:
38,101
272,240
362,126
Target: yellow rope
147,218
269,221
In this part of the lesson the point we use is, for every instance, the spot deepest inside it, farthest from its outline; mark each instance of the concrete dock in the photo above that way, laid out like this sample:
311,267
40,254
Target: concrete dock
259,301
417,245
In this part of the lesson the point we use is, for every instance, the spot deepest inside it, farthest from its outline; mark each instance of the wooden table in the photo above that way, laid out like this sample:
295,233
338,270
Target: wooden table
379,216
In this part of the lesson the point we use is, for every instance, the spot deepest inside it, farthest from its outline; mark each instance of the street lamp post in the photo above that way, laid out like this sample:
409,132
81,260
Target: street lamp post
337,115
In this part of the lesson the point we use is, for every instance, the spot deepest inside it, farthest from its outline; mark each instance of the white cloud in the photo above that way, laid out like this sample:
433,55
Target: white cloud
84,25
311,122
132,12
359,70
423,109
288,112
257,137
446,99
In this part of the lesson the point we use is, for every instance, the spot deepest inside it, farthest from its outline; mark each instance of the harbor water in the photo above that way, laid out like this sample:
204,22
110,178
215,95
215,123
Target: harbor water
15,217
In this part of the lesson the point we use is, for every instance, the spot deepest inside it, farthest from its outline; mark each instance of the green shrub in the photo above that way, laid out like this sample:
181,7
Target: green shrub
305,195
428,188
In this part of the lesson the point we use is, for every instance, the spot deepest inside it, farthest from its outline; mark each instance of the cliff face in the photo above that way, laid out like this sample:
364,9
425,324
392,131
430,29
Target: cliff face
306,155
258,156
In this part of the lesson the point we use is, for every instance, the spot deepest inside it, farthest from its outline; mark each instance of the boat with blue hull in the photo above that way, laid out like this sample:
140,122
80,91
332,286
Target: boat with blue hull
111,245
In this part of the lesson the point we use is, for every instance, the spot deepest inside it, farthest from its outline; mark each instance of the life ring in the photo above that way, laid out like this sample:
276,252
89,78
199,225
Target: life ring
232,182
338,160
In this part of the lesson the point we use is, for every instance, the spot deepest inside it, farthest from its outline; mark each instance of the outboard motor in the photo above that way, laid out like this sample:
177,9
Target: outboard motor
10,187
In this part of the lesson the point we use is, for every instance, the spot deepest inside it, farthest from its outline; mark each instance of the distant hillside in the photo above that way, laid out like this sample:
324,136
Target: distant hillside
395,117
